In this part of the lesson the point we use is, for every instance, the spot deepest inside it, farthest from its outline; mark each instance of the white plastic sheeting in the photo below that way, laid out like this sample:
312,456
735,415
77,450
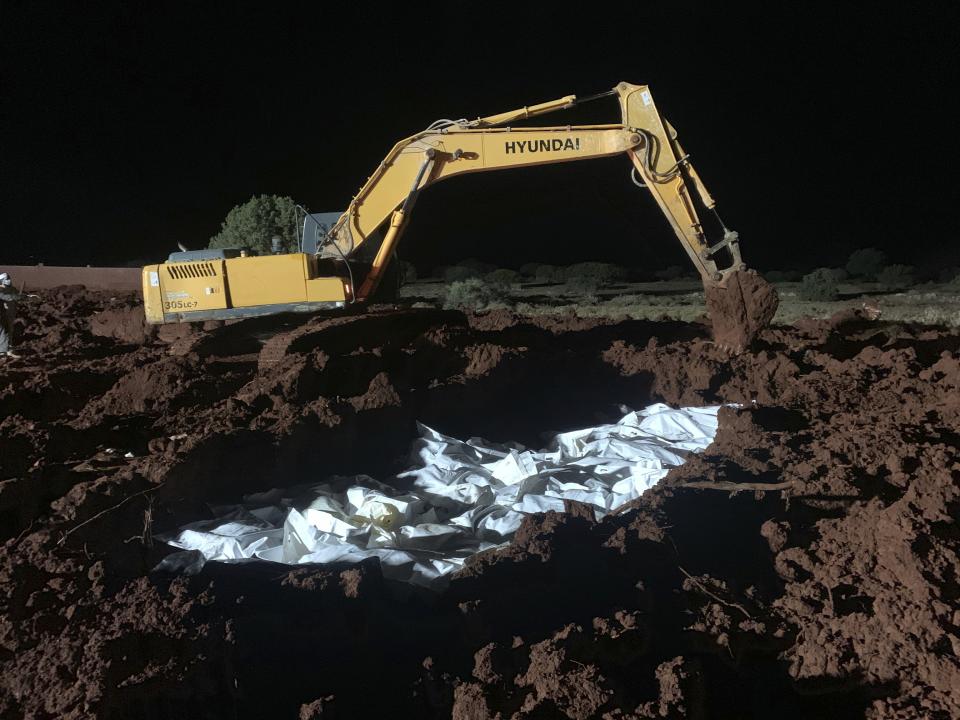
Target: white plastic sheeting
463,497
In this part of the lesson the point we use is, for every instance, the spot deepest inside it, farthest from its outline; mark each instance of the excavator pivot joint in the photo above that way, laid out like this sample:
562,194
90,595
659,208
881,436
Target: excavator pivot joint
730,239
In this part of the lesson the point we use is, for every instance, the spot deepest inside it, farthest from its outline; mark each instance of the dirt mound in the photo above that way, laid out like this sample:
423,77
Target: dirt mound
805,565
127,324
741,309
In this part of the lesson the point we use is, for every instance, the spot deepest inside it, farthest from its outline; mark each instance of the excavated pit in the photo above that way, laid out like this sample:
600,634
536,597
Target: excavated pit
804,566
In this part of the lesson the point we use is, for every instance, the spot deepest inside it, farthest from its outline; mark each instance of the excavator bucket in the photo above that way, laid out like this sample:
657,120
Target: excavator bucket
740,307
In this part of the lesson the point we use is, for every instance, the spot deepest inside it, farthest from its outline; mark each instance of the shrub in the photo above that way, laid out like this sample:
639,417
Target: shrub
472,294
456,273
896,277
586,286
866,263
255,222
603,273
503,276
820,285
838,274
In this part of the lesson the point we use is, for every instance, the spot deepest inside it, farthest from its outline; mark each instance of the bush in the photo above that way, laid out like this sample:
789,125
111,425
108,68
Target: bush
473,294
819,285
457,273
866,263
586,286
783,276
602,273
896,277
253,224
503,276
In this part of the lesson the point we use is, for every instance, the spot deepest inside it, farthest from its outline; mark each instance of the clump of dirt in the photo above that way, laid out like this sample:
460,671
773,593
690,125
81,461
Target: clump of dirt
741,308
805,565
126,324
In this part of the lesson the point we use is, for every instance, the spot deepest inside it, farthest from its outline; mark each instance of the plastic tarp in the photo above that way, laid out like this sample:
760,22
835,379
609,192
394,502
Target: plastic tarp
461,497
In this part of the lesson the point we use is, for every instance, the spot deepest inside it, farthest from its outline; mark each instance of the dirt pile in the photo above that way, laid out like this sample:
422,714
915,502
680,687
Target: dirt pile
804,566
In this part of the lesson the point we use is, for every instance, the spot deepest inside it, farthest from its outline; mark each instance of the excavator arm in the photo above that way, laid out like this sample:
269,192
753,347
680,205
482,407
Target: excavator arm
219,284
455,148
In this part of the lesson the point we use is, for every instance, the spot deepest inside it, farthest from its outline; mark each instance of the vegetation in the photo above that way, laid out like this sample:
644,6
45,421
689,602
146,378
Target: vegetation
585,287
936,303
473,294
896,277
866,263
253,224
503,276
601,273
820,285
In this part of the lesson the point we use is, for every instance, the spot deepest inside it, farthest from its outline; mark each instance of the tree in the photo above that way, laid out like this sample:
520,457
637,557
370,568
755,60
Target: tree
820,285
866,263
896,277
253,224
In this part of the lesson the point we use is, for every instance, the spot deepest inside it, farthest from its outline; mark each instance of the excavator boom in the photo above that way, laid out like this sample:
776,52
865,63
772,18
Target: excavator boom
485,144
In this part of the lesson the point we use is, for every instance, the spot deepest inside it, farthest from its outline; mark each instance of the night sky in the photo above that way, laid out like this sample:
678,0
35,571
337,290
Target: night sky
126,130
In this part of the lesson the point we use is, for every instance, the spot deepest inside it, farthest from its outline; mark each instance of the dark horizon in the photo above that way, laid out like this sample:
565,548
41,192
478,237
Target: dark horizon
128,130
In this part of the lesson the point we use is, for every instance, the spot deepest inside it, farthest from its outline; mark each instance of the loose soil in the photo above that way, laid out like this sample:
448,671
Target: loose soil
804,566
741,309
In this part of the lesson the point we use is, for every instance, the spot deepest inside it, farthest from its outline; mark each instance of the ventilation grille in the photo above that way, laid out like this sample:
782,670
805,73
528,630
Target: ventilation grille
192,270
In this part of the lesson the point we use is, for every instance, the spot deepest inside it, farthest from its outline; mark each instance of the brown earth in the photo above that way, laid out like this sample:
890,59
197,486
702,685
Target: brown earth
804,566
740,309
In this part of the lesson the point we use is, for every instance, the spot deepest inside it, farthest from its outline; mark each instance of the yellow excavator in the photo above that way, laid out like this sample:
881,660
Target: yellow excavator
344,256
